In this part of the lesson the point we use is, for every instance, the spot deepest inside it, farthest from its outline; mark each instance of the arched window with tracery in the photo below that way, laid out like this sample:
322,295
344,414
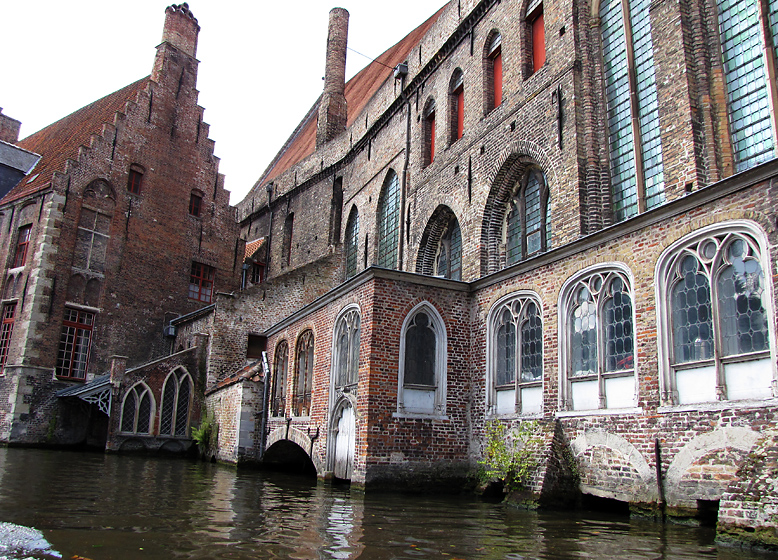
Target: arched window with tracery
137,410
527,223
515,356
389,222
715,316
301,403
280,365
599,347
176,403
345,359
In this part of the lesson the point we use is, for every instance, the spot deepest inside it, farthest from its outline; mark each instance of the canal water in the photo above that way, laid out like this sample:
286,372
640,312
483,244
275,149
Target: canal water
109,507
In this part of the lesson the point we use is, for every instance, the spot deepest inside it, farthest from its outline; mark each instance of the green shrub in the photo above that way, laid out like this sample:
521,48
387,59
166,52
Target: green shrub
510,455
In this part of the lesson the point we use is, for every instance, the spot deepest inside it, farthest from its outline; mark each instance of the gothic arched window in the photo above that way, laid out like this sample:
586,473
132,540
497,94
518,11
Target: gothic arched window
527,222
389,221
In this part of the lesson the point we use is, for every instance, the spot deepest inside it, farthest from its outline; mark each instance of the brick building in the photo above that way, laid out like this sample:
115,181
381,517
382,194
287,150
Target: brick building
561,212
123,225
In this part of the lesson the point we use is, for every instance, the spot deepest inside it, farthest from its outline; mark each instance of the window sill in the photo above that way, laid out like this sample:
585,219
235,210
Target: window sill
515,416
600,412
419,416
714,406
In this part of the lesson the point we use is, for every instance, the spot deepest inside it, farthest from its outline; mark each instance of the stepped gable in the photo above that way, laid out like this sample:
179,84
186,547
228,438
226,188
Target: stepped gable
61,140
359,90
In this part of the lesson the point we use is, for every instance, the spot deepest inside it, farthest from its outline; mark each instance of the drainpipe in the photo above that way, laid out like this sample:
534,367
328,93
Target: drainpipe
404,184
269,189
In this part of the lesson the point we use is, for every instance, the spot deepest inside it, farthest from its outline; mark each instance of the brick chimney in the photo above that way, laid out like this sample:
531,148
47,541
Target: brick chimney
332,109
9,128
180,31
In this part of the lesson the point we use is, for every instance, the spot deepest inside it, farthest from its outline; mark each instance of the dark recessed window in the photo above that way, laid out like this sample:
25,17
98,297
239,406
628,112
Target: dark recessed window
195,204
134,180
22,243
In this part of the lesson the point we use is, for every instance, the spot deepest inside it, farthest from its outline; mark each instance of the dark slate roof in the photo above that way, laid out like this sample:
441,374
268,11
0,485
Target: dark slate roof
92,386
359,90
61,140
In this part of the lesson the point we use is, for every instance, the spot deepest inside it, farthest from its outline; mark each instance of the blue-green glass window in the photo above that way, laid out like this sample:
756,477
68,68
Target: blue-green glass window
744,54
631,92
527,224
352,243
389,222
449,260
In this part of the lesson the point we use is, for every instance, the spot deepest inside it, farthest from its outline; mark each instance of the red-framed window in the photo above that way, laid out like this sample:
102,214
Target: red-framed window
6,330
22,244
74,344
201,282
459,94
258,273
195,204
496,57
134,181
538,41
457,105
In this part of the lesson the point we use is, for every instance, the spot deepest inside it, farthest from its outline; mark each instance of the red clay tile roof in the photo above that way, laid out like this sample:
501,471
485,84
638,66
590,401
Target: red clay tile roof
359,90
253,246
61,140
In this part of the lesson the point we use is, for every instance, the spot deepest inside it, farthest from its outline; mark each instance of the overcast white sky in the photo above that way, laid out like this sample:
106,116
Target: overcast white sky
261,62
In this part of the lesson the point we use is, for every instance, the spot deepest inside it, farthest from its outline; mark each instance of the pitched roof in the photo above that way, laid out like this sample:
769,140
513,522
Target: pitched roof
61,140
253,246
359,90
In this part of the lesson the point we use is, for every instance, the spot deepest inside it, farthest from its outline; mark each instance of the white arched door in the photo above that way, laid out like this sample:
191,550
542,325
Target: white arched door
345,439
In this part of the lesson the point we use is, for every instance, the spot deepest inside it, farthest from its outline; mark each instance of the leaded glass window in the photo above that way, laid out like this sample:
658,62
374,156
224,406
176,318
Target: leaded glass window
346,359
744,55
352,243
301,404
423,362
719,319
280,365
633,116
527,223
137,410
516,356
174,418
600,341
389,222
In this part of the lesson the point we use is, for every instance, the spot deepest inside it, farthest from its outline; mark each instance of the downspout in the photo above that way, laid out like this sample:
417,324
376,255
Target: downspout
269,189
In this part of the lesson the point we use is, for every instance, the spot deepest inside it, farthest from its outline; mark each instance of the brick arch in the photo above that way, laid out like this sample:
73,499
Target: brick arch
623,449
299,438
101,190
718,442
430,239
514,160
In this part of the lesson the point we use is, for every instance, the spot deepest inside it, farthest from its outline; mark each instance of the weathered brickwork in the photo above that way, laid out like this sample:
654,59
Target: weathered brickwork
113,233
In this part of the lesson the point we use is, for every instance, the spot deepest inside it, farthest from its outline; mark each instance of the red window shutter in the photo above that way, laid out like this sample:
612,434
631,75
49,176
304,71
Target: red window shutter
460,95
538,43
497,67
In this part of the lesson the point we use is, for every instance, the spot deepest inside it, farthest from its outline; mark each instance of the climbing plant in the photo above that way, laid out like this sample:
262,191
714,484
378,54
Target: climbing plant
510,455
205,435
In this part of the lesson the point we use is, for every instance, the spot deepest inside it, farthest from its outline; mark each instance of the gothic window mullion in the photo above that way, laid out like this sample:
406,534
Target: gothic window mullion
718,337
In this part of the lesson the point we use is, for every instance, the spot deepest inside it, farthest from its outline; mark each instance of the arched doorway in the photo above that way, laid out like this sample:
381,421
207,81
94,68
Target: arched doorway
344,430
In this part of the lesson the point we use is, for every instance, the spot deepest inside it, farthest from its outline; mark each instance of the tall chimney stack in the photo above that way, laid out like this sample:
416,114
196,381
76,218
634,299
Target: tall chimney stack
332,109
180,31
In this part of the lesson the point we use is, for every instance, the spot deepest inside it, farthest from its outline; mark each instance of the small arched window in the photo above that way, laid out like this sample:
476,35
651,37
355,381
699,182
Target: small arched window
515,356
527,222
428,124
537,32
716,317
286,248
345,359
493,71
448,262
135,178
280,365
456,95
301,404
423,362
176,403
599,352
137,410
352,243
389,221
